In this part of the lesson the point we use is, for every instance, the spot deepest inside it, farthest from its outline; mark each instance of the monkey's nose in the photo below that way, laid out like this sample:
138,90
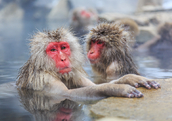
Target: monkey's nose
91,52
63,59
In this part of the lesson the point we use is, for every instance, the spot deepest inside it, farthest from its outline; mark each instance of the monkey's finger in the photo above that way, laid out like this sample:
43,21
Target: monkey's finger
159,85
154,84
136,85
138,93
130,95
145,84
135,94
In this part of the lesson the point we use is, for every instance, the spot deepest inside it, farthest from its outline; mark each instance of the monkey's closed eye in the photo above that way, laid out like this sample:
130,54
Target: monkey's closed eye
53,49
63,47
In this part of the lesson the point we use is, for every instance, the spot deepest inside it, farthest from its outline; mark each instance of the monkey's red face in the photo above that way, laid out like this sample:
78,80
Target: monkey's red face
95,50
85,14
60,52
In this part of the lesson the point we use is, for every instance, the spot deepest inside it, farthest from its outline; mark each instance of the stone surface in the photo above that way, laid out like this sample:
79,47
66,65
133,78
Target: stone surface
156,105
113,119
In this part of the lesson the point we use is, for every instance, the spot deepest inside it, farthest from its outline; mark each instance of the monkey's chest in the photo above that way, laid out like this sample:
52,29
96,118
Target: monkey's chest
69,84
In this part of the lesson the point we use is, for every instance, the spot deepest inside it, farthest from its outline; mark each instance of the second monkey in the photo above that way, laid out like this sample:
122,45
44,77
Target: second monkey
108,53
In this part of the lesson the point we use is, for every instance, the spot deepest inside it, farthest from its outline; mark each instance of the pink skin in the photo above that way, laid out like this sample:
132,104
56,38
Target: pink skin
85,14
95,51
59,52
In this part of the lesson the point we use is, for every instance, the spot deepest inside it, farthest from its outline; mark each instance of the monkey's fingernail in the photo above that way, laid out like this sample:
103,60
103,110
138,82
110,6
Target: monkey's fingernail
159,86
155,86
141,95
130,95
149,87
136,85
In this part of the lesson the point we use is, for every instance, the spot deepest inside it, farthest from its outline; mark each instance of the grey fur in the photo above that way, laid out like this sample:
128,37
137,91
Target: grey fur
39,69
116,49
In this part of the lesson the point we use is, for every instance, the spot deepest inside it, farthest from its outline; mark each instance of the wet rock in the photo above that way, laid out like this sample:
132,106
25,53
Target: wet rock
155,105
114,119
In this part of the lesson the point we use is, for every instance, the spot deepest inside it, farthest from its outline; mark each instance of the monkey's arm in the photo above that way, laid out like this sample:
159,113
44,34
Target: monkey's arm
147,44
86,82
91,92
136,81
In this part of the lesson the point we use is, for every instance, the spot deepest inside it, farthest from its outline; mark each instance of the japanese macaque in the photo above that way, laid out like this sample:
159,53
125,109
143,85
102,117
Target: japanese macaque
108,53
55,68
130,26
162,41
82,19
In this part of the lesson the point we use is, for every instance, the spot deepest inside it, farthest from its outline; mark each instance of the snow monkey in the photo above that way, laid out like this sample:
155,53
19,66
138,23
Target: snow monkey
55,68
162,41
82,19
108,53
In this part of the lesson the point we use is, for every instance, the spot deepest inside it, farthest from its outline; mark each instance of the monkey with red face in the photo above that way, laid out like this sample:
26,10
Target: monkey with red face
82,19
55,68
108,53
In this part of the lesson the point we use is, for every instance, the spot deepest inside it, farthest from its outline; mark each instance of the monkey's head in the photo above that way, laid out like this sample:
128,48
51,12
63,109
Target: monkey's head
57,51
106,43
165,31
83,17
54,54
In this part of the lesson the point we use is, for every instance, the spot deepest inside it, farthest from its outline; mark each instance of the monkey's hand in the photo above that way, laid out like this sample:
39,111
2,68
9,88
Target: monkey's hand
121,90
136,81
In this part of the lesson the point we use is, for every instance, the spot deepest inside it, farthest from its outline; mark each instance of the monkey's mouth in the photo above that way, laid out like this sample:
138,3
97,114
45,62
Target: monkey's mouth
66,110
65,70
93,61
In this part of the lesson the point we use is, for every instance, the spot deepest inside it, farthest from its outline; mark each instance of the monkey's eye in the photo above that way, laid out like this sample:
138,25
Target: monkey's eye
63,47
93,41
53,50
99,42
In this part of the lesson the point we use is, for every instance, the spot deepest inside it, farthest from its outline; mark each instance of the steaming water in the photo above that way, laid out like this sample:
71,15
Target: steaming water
14,53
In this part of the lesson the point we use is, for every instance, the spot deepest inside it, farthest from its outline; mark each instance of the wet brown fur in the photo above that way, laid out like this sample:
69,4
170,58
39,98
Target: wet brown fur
40,69
164,32
116,49
165,40
131,27
127,22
